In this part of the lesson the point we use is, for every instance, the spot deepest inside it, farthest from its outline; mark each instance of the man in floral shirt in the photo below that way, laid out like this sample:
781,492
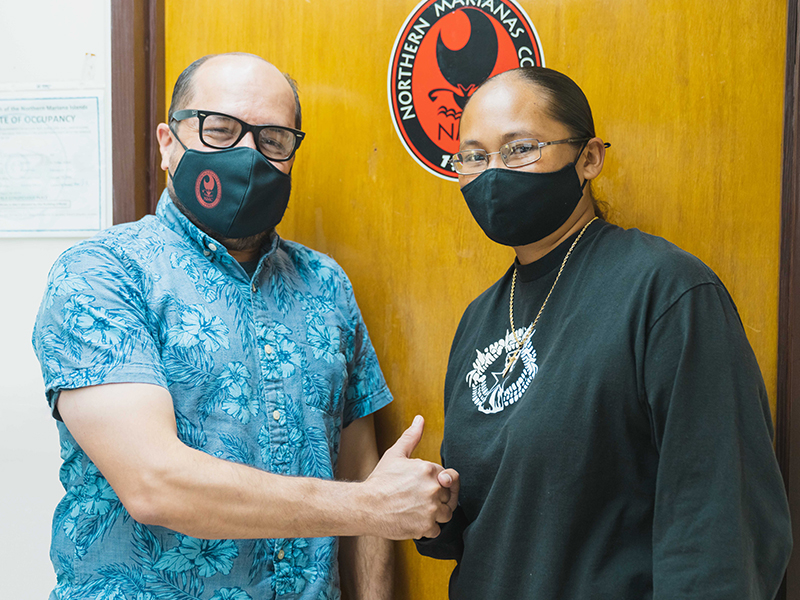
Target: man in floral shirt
212,381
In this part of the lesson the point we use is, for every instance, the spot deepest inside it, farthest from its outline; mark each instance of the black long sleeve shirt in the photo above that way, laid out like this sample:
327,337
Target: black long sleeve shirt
627,454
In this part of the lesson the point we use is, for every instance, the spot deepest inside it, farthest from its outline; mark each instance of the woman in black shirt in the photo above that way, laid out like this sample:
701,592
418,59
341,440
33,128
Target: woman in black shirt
602,403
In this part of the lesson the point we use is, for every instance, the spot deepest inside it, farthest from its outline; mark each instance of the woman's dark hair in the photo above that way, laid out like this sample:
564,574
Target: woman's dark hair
567,104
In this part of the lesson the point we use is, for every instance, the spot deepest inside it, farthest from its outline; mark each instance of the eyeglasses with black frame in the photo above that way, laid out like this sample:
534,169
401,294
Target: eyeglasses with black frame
220,131
517,153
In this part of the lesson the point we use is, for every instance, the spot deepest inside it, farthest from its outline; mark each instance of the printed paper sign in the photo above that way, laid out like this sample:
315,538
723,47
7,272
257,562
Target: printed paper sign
51,167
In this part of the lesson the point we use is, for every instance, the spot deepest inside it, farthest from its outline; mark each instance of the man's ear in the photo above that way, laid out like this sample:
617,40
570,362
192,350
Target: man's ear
166,144
593,158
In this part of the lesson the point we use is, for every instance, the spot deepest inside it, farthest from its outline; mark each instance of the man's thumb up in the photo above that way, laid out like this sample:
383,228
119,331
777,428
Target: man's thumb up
409,439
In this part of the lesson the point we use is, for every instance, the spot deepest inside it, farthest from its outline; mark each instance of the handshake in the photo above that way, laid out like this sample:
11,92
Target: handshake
413,496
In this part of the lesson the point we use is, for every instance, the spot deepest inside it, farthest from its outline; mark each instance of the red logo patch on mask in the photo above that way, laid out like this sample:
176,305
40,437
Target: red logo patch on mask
208,189
444,51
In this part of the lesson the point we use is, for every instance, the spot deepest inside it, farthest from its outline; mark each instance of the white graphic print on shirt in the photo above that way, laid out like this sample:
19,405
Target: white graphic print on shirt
493,396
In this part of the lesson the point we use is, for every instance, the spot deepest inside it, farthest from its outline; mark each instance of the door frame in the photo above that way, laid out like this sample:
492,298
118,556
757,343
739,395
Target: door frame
787,432
137,105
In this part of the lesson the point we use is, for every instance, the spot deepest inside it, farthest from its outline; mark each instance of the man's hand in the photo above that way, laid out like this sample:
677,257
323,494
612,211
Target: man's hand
407,495
449,478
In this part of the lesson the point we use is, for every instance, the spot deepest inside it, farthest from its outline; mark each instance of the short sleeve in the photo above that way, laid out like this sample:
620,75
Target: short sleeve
92,327
721,524
366,390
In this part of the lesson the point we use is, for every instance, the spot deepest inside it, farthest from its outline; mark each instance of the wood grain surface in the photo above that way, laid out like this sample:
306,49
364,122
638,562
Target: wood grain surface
689,93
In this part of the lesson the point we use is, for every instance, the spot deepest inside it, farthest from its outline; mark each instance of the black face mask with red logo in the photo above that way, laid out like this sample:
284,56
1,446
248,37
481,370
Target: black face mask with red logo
235,193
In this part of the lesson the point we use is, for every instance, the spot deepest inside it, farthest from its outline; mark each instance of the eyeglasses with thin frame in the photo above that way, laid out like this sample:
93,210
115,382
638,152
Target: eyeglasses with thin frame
517,153
220,131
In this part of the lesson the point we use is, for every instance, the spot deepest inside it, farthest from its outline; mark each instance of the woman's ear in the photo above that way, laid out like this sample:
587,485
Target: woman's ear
593,158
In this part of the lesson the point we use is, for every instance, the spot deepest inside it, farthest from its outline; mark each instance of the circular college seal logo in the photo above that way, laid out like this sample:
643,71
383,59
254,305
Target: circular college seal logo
444,51
208,189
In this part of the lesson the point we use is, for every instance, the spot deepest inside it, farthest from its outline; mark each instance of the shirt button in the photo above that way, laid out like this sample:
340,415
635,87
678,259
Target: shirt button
253,287
212,247
281,554
267,349
276,415
206,253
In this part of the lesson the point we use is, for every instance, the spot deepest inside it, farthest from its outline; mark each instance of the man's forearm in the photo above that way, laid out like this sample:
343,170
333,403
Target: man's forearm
366,568
129,433
206,497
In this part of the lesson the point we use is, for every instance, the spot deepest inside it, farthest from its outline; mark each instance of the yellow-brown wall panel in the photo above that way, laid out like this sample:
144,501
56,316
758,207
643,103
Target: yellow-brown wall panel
689,92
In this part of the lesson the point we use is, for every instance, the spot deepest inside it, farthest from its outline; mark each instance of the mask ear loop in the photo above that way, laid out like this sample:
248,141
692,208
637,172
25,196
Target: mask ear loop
185,147
175,133
575,162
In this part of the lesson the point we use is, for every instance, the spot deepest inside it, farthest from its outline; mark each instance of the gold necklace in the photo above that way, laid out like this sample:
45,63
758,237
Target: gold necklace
512,358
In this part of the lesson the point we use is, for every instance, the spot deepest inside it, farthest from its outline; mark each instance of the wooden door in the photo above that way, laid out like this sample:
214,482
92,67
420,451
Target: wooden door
689,92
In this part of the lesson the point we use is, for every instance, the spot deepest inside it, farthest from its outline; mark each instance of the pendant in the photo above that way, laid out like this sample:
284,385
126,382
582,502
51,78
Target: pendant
510,360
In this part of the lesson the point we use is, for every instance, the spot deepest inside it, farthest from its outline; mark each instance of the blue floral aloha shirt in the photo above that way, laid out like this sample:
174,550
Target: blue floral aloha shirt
263,372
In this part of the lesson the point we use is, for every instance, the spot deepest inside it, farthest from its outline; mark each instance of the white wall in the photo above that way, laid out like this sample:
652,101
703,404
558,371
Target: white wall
44,44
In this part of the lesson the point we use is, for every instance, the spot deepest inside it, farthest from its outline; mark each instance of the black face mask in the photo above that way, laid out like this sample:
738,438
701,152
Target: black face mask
235,193
516,208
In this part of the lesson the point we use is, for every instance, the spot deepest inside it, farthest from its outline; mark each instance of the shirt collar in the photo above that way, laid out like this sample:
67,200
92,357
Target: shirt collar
207,245
553,259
